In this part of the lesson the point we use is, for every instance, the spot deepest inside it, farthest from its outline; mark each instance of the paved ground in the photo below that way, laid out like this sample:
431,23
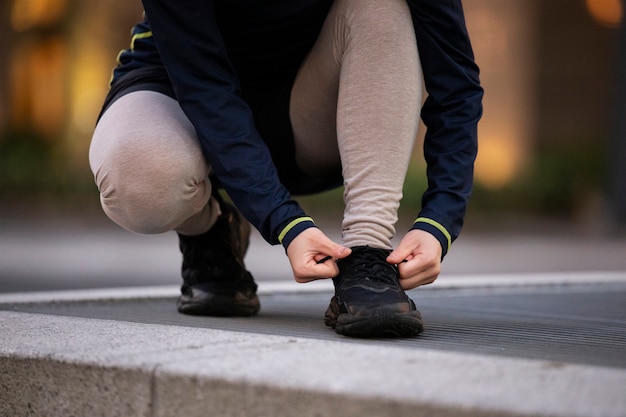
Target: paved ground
47,255
524,324
574,323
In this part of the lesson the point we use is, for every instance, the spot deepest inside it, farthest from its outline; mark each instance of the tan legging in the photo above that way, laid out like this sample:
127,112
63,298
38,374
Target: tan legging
355,102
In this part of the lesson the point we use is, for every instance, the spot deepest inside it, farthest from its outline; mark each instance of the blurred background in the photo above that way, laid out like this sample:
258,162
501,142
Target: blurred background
552,149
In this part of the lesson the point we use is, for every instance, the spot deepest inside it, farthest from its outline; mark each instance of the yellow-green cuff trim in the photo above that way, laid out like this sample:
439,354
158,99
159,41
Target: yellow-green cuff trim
436,225
291,225
141,35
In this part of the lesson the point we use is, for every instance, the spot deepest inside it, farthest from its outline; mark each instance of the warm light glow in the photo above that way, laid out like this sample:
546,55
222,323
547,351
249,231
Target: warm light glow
497,162
27,14
90,74
49,66
88,85
606,12
504,45
38,95
19,104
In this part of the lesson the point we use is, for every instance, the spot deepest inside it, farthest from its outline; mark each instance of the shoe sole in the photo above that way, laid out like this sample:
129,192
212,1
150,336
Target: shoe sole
383,322
218,305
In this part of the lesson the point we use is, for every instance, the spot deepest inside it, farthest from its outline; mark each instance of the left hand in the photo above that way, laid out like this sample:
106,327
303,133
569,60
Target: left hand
422,252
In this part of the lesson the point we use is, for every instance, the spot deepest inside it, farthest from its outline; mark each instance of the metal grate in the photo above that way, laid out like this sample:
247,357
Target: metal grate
574,324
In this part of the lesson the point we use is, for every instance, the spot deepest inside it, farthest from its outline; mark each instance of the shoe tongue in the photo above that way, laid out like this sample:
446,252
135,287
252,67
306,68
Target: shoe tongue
372,262
368,255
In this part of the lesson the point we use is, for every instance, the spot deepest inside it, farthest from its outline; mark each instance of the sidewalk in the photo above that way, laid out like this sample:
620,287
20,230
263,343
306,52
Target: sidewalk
516,336
40,255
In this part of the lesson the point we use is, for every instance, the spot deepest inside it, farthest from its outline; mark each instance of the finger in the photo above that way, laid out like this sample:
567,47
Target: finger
414,274
339,251
318,271
324,259
414,282
398,256
322,245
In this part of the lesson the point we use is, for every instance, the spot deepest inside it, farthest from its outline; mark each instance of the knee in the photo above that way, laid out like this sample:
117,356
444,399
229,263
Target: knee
148,163
147,192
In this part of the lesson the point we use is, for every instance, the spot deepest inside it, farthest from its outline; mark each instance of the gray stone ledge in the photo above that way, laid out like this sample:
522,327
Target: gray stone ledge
65,366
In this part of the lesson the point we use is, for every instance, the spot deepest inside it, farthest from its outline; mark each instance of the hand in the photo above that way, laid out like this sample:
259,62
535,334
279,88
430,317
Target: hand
307,251
422,253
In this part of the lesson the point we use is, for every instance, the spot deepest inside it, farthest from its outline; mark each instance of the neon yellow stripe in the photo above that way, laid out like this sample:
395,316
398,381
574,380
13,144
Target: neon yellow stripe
438,226
291,225
119,54
141,35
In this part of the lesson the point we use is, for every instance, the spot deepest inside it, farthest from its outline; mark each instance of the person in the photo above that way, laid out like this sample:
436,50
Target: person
270,100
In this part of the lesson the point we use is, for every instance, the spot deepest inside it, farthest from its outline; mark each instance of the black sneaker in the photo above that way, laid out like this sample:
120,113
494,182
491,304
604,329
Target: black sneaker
369,301
215,279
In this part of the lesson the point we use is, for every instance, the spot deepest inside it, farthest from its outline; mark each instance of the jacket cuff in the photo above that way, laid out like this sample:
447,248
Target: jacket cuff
293,229
437,230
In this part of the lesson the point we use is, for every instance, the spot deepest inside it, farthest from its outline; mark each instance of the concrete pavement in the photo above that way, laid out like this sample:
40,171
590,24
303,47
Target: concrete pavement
516,326
40,254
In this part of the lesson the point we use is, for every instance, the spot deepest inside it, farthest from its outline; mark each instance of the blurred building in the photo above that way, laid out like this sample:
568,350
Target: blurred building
549,69
57,57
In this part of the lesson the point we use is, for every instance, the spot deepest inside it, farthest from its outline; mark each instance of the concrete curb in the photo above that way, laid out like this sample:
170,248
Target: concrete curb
62,366
65,366
274,287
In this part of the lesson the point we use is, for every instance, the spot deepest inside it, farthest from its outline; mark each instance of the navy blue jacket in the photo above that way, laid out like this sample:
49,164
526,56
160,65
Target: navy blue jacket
208,59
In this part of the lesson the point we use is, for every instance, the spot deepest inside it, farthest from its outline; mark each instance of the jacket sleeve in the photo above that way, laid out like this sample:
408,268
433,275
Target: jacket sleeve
191,48
451,113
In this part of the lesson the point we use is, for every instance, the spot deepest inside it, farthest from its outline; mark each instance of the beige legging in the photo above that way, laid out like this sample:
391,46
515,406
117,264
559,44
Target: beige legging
355,102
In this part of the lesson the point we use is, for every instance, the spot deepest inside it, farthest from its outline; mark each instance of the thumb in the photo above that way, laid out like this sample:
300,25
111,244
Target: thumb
399,254
336,252
340,251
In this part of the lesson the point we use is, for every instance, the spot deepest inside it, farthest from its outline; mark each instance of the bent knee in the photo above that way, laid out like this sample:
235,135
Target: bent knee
148,164
152,195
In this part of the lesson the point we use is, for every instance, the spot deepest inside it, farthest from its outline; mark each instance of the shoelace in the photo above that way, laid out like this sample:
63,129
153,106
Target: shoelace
373,264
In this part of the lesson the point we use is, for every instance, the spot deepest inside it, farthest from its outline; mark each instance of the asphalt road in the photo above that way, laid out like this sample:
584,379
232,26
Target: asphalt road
41,255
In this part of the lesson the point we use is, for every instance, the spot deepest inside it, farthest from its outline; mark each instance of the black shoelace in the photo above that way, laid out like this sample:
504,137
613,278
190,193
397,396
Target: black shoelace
371,263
